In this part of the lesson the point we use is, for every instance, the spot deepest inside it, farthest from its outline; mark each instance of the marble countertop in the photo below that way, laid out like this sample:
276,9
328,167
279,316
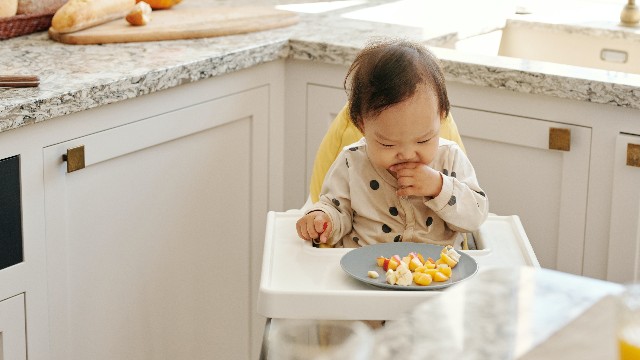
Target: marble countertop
521,313
509,313
80,77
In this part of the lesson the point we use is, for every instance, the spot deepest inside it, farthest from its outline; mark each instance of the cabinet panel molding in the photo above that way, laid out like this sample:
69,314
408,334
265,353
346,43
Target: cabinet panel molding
623,263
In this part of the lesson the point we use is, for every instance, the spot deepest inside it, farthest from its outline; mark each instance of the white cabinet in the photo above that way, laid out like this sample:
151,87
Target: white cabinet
546,188
151,244
624,243
13,343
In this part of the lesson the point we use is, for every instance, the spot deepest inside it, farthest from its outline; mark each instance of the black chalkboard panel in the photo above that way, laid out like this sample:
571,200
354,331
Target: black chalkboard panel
11,252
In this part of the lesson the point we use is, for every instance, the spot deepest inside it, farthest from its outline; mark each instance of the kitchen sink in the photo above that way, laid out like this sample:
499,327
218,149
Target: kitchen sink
616,49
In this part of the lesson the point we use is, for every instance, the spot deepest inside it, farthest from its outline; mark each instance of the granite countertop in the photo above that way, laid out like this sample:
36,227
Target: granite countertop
521,313
80,77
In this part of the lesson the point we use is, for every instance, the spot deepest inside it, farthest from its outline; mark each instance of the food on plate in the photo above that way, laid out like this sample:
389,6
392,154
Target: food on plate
81,14
422,278
160,4
373,274
140,14
401,276
415,268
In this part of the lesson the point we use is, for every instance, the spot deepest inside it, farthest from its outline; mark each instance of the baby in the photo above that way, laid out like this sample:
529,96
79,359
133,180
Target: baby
400,182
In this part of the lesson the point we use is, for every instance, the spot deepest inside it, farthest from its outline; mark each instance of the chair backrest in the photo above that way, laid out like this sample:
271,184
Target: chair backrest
343,132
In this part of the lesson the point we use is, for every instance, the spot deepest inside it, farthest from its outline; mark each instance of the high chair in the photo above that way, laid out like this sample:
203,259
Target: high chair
299,281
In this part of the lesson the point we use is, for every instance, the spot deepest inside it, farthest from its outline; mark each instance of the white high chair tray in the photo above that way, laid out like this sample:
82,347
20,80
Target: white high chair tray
299,281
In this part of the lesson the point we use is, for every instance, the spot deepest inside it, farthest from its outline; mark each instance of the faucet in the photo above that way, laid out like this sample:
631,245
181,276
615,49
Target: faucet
630,16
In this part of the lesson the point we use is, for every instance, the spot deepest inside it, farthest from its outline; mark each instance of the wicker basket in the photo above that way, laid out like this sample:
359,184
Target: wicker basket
23,24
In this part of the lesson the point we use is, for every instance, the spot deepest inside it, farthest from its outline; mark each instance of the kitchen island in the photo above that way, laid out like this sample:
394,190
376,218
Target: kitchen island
157,123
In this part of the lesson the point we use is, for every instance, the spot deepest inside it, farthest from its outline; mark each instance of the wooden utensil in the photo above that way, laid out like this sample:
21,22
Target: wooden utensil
19,81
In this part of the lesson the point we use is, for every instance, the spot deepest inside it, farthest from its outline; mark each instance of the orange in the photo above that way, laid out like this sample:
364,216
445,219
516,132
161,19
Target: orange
160,4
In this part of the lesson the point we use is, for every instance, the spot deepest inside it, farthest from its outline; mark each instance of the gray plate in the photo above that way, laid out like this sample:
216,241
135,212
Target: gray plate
359,261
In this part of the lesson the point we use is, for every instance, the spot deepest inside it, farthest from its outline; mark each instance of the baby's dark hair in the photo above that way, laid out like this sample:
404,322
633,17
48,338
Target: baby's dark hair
387,72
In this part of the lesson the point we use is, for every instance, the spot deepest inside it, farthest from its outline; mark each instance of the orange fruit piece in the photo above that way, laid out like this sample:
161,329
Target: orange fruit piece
160,4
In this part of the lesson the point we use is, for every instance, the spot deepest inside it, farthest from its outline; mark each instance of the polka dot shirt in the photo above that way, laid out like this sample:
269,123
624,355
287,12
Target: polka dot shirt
364,209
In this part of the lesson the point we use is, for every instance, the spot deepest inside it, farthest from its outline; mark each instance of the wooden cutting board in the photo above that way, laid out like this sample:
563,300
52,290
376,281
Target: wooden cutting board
188,20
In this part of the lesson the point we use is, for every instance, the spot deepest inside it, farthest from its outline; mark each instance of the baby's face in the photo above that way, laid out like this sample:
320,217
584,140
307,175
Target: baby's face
405,132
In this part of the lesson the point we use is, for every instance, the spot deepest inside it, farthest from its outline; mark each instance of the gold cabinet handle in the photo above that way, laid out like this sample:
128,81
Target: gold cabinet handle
560,139
633,155
74,158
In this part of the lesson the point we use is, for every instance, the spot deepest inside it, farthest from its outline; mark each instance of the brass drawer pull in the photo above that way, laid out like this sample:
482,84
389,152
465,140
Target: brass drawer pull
74,158
559,139
633,155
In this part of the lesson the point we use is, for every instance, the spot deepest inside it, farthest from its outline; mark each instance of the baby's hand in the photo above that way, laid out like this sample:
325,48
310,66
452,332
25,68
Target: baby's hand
416,179
314,225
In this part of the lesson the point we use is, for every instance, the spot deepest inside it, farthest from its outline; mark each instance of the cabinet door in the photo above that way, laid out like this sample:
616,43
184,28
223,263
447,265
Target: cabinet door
522,176
150,245
624,241
13,344
323,105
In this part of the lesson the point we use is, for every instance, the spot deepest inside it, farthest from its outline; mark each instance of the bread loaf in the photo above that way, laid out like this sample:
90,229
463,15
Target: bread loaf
30,7
81,14
8,7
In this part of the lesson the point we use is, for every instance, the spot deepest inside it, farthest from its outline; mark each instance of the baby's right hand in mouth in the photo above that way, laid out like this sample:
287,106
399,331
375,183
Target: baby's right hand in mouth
314,225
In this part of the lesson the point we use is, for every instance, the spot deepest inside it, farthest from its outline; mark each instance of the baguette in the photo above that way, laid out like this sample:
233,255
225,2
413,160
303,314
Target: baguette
81,14
32,7
8,8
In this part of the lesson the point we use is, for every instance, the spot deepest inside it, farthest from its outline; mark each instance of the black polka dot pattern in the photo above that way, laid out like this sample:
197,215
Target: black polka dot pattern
453,174
335,202
386,229
346,161
481,193
393,211
353,148
398,238
429,221
355,238
375,185
452,201
445,171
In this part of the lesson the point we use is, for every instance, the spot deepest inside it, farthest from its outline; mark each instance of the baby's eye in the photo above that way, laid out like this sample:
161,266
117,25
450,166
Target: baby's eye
424,141
385,145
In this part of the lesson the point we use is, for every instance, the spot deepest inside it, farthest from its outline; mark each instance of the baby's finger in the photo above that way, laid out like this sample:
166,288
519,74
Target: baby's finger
301,227
327,228
402,166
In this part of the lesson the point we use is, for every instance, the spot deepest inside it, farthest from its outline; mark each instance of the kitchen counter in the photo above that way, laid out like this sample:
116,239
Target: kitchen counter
79,77
504,313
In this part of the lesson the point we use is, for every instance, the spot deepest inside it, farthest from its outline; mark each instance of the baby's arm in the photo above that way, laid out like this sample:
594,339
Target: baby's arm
462,204
334,204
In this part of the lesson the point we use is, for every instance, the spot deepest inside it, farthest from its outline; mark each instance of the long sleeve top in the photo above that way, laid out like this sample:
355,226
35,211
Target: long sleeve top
364,209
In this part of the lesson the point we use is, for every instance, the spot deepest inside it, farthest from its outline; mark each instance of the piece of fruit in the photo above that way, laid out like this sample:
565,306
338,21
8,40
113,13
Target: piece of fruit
160,4
445,269
394,263
404,276
447,260
380,260
373,274
391,277
440,277
414,263
422,278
